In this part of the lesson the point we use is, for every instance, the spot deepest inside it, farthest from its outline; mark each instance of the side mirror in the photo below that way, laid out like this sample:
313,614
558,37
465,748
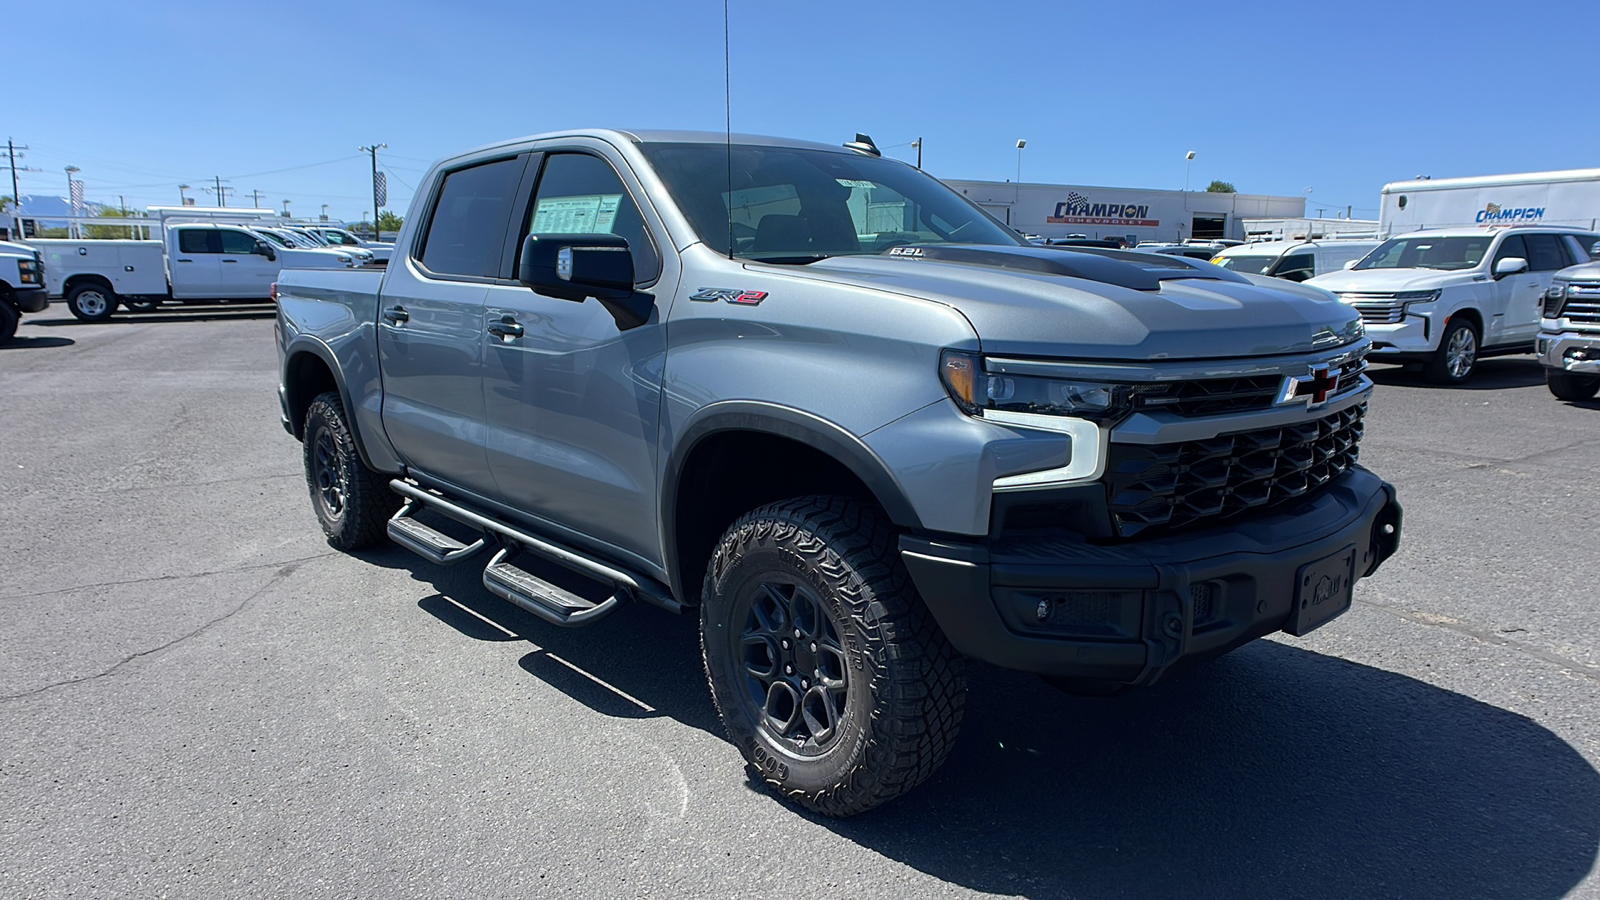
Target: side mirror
577,266
265,249
1351,263
1594,252
1511,265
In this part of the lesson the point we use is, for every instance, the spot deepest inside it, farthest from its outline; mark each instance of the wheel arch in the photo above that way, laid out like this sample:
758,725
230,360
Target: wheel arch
87,278
309,370
736,455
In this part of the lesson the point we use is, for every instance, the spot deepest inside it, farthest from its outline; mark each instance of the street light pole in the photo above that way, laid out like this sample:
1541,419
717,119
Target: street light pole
918,144
286,209
73,229
1187,165
377,233
324,212
1020,145
183,199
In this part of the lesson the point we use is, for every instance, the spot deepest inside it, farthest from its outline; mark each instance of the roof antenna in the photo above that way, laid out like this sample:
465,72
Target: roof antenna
727,106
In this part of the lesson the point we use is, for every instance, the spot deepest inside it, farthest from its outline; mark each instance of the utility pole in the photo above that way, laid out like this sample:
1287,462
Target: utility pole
255,199
377,233
16,193
222,192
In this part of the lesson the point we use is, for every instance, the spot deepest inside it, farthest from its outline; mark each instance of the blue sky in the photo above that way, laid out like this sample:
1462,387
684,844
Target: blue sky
1340,96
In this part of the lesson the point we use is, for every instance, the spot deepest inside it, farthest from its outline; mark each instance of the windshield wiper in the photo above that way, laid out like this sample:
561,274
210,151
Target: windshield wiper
790,259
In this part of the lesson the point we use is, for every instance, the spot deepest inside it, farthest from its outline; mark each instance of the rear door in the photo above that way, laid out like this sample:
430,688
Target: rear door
574,402
430,324
196,261
246,274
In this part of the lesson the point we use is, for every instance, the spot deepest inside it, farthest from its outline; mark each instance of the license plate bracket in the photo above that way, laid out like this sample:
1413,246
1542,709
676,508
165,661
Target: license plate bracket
1322,591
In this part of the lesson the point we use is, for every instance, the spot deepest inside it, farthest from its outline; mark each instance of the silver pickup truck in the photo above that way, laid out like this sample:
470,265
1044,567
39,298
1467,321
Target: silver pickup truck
860,429
1569,331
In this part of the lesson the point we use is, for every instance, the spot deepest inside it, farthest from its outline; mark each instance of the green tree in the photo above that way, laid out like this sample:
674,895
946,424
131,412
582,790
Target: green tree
1221,187
388,221
4,202
109,232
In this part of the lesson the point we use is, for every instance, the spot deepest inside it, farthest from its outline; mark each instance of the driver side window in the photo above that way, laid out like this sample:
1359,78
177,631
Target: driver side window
582,194
237,242
1509,248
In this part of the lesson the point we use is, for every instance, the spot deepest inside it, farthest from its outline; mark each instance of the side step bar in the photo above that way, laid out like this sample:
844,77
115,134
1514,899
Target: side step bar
504,580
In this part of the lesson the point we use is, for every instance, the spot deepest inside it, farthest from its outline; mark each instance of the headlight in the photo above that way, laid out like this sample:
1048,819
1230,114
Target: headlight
1556,290
1417,296
345,259
28,271
976,390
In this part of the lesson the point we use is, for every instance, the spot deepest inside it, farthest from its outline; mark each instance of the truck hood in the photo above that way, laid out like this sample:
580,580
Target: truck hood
307,258
1389,281
1581,272
1122,305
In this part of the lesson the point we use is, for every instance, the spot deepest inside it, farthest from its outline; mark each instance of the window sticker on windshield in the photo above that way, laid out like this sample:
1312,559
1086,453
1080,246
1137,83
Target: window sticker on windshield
855,183
589,214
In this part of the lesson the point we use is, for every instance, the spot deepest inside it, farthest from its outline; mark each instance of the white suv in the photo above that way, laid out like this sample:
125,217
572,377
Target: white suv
1448,298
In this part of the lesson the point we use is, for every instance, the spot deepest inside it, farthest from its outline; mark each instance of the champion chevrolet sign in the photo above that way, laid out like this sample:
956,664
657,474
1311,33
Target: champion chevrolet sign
1077,210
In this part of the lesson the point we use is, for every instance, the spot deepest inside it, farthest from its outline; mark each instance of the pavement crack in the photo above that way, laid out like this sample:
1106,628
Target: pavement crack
155,578
284,571
1582,669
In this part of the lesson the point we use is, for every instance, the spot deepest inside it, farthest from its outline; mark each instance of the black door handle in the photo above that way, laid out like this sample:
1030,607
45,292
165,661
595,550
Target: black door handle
396,315
507,327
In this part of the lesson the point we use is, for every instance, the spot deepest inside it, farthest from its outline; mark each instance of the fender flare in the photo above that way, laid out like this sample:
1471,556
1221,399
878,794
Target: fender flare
304,345
780,421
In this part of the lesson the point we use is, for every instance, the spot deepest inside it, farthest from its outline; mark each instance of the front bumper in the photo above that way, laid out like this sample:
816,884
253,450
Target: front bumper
30,299
1412,336
1132,611
1569,351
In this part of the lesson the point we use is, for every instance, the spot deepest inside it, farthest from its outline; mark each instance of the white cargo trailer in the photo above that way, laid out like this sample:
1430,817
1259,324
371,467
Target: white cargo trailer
1570,197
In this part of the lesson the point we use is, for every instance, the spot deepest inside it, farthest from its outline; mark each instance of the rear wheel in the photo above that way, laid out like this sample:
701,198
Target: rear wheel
141,305
1457,355
831,676
352,502
1567,386
92,302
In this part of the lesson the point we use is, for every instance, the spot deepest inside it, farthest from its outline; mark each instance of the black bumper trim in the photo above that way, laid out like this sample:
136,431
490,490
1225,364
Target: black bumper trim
1242,576
30,299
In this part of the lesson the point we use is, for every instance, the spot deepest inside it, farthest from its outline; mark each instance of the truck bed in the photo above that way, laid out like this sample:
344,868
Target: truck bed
132,267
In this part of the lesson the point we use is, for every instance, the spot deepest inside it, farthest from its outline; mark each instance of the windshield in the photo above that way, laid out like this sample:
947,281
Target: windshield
1428,253
1255,264
334,236
313,237
274,238
799,205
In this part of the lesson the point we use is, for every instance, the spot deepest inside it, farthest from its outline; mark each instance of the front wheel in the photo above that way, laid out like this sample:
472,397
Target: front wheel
1457,355
1567,386
8,321
352,502
831,676
92,302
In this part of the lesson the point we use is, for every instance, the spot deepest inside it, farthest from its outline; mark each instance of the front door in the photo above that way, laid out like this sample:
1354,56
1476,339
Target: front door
573,403
1507,322
430,326
195,267
246,274
1547,254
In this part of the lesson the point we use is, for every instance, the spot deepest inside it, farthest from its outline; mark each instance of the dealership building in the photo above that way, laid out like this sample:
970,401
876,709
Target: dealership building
1057,210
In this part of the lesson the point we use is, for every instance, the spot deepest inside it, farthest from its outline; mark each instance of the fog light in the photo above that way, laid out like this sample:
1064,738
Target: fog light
1043,612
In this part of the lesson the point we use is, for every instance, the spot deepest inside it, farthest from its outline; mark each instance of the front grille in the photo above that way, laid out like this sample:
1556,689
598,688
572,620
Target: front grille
1583,304
1217,396
1170,486
1376,309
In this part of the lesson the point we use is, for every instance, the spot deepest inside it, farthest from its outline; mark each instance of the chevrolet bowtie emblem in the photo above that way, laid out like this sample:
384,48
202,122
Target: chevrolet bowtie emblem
1315,388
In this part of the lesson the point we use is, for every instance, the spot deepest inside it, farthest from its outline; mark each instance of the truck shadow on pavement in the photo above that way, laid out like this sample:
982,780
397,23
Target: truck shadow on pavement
175,313
36,343
1490,375
1274,772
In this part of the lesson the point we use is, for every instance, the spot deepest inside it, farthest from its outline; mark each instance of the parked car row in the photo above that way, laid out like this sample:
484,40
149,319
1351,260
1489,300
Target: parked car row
200,257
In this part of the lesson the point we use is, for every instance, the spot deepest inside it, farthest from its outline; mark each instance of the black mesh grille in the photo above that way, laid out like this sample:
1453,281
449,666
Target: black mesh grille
1167,486
1217,396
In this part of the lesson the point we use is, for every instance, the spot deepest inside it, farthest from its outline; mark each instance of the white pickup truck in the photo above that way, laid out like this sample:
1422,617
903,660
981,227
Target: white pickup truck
194,262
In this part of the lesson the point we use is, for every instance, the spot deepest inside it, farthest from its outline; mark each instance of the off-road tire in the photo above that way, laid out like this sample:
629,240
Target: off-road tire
1567,386
904,686
9,318
91,302
352,502
1445,367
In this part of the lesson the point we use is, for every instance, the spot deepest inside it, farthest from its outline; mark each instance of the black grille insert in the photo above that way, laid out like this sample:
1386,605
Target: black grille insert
1218,396
1168,486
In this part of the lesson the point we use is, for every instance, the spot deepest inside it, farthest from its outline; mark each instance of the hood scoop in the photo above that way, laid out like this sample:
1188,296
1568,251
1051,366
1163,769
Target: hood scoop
1135,271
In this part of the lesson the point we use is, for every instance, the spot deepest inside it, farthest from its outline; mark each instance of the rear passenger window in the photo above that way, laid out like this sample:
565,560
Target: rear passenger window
1583,246
194,240
581,194
468,226
1545,253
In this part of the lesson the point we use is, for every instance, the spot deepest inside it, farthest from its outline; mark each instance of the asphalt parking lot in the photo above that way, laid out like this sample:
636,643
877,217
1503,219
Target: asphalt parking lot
198,698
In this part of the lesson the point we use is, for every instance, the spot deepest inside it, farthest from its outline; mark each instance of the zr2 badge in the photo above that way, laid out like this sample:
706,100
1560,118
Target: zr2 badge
730,295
